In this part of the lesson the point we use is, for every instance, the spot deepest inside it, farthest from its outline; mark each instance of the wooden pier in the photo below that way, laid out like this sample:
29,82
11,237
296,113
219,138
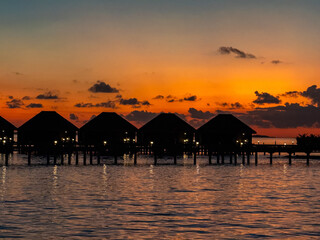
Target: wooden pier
93,155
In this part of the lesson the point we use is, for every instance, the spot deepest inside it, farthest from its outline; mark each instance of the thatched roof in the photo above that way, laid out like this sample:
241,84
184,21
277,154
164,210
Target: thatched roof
48,121
108,122
224,124
6,125
165,122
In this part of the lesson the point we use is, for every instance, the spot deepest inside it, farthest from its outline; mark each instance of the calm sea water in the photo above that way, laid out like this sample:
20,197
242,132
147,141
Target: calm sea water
160,202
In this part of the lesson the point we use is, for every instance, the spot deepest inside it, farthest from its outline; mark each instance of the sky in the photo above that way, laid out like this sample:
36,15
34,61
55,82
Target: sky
258,60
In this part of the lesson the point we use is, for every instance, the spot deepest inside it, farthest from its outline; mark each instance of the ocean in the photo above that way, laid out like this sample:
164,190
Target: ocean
160,202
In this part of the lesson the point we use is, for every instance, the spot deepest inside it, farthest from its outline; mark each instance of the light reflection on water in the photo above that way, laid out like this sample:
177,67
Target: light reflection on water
161,202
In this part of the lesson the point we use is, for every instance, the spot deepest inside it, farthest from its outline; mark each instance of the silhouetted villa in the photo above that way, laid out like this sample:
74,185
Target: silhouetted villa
6,132
224,132
108,129
46,129
167,132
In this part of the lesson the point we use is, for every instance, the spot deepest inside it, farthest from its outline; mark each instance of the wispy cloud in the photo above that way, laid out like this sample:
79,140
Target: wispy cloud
236,52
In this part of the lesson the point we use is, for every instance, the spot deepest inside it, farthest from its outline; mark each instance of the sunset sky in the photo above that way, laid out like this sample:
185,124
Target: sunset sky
259,60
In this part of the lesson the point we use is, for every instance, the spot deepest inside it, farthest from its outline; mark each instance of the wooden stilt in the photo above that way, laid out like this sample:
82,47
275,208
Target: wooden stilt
256,158
29,156
243,158
91,155
77,157
98,157
69,158
85,156
271,158
135,158
48,158
290,160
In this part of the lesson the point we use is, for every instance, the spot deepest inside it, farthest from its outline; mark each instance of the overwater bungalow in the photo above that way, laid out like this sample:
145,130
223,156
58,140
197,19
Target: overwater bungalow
225,132
6,133
167,133
47,129
109,131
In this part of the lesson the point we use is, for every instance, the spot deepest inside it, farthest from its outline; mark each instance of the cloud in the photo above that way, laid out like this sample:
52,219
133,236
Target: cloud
140,116
72,116
18,73
92,117
265,98
10,97
276,62
238,53
47,96
191,98
14,103
130,101
235,105
133,102
294,94
312,93
196,123
287,116
200,114
26,98
102,87
35,105
108,104
158,97
171,98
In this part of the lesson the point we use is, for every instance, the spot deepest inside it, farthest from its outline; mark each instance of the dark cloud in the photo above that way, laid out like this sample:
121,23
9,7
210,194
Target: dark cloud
72,116
140,116
312,93
102,87
26,98
108,104
235,105
130,101
294,94
47,96
276,62
14,103
145,103
266,98
287,116
159,97
134,102
238,53
84,105
200,114
196,123
191,98
10,97
92,117
18,73
171,98
35,105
